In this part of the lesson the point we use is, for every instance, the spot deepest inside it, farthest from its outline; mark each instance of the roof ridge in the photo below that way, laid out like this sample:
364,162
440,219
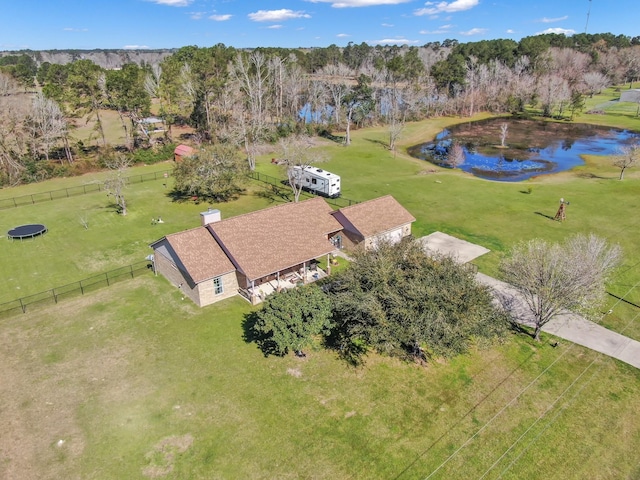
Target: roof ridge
273,207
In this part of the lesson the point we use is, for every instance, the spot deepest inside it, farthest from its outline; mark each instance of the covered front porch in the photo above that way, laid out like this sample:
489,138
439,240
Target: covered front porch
303,274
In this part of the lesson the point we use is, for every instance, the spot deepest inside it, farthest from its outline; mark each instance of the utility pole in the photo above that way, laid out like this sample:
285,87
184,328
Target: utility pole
588,14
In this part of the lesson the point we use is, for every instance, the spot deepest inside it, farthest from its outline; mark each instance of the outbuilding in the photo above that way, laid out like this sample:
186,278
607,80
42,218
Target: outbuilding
182,151
630,95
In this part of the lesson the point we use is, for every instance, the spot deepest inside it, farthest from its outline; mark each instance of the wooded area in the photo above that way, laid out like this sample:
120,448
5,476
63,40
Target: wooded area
248,98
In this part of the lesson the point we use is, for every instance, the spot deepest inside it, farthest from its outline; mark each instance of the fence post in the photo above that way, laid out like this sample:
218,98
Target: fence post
55,297
32,200
106,275
81,287
23,306
131,270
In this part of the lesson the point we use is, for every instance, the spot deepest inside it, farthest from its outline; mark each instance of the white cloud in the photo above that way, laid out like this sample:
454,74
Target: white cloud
276,15
552,20
173,3
196,15
474,31
394,41
359,3
343,35
221,18
446,7
440,30
71,29
136,47
510,30
275,27
387,25
566,31
432,32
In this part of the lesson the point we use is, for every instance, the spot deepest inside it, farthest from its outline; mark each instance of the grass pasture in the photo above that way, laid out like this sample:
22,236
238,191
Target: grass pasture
150,386
132,381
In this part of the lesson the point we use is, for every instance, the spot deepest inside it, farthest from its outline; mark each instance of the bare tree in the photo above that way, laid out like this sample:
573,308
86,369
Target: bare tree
117,181
47,124
455,156
317,102
504,130
251,79
336,78
298,153
594,82
553,279
630,60
628,157
553,91
7,85
395,103
569,63
14,139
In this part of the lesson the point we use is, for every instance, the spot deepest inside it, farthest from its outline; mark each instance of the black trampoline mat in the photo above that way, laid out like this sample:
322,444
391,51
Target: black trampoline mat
27,231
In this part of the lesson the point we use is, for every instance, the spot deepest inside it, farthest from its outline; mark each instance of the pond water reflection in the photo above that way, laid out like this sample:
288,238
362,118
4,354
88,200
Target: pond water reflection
531,148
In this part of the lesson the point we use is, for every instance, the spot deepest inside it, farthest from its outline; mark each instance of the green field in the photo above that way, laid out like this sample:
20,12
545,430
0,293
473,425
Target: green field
132,381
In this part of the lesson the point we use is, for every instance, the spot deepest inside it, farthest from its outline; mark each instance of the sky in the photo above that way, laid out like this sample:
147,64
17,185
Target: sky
157,24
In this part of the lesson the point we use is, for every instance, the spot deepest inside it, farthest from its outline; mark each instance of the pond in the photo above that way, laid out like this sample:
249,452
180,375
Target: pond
531,148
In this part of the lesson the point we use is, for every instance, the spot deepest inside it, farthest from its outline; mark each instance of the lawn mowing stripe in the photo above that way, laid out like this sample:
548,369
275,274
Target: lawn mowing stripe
490,421
554,418
515,398
548,409
467,413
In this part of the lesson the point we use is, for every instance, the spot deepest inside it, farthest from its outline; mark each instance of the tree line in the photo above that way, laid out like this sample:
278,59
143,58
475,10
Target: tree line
251,98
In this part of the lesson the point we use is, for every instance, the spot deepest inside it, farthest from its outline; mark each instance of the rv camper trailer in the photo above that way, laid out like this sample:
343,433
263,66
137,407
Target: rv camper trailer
318,181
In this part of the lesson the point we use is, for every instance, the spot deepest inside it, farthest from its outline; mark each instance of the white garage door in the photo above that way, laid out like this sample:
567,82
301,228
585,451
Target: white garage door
393,236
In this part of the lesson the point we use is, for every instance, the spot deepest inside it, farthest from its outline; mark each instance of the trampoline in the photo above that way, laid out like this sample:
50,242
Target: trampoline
26,231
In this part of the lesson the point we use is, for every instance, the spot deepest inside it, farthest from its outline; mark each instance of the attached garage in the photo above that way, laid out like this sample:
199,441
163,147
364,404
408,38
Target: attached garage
379,220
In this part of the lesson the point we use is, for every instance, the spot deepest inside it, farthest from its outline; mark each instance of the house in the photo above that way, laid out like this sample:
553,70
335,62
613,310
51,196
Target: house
182,151
268,250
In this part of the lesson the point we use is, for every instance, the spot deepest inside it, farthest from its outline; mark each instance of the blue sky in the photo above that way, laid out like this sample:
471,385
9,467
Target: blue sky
89,24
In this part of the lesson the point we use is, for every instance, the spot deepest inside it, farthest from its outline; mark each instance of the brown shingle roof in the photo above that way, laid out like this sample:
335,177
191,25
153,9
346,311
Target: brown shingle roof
377,216
270,240
200,254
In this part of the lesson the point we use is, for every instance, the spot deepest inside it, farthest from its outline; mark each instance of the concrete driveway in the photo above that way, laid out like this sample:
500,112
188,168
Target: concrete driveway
571,327
449,246
568,326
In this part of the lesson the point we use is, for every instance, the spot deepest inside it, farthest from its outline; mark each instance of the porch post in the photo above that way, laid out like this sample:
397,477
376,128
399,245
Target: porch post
253,292
304,272
328,264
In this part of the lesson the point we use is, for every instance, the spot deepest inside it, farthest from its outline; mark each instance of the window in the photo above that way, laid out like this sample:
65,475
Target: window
314,181
217,285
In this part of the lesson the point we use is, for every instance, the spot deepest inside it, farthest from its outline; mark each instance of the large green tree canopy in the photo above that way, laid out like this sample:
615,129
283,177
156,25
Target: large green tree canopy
399,301
292,319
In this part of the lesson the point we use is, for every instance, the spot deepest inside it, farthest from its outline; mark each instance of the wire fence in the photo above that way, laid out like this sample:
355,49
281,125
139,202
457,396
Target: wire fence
281,184
34,198
87,285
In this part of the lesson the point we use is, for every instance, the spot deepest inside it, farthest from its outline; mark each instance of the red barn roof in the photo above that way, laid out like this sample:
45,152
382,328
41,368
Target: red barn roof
183,151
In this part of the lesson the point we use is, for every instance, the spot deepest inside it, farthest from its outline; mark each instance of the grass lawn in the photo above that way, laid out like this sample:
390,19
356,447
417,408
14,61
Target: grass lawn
131,381
150,386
